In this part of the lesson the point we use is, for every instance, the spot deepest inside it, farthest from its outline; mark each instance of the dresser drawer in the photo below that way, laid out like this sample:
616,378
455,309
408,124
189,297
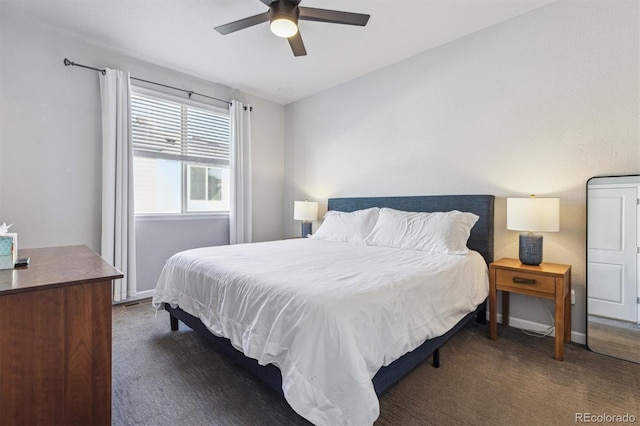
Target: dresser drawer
525,282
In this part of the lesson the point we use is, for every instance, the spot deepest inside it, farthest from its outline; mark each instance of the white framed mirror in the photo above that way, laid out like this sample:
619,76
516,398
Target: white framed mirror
613,266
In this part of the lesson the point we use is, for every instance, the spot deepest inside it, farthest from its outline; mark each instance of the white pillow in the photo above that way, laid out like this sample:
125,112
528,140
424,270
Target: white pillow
350,227
438,232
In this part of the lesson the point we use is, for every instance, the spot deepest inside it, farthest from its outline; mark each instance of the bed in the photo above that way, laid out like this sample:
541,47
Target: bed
330,373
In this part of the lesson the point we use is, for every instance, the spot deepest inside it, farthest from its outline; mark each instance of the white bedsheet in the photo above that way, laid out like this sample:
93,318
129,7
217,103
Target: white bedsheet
328,314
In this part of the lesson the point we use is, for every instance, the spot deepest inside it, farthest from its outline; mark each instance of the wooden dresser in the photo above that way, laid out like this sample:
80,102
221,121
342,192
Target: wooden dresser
55,339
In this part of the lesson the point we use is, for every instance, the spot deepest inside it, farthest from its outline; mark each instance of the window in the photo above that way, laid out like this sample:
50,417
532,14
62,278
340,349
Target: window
205,187
181,154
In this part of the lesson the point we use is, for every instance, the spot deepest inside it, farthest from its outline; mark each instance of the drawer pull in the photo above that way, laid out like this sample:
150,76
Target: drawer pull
518,280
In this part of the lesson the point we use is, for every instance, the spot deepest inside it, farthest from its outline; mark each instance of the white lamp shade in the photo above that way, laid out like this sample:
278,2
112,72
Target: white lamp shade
305,210
533,214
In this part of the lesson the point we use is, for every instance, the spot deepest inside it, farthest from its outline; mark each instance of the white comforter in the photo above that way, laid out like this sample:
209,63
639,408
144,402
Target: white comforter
328,314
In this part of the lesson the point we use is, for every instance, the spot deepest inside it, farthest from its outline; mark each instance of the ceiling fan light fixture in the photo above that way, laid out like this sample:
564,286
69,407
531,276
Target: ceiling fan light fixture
283,17
283,26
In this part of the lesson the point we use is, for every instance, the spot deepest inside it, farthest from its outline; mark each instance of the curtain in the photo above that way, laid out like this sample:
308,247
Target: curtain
240,165
118,226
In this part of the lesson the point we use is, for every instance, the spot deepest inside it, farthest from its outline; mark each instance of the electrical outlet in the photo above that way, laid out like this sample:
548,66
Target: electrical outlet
573,297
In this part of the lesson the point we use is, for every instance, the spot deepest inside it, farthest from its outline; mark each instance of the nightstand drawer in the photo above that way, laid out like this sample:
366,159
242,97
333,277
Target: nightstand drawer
506,280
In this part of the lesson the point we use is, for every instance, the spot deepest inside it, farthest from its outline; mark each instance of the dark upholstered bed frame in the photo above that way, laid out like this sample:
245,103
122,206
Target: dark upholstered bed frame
481,240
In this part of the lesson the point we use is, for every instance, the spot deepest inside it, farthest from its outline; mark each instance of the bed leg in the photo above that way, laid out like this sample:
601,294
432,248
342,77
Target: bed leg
481,316
174,322
436,358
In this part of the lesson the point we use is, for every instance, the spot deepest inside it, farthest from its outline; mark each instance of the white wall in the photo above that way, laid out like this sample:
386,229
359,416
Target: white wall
50,140
537,104
267,168
158,238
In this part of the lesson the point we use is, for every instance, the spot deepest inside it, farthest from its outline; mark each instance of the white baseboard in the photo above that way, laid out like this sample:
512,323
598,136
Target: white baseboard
530,325
139,296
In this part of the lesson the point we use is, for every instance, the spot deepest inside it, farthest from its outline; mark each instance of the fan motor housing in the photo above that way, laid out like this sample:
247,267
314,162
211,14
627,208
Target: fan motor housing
283,9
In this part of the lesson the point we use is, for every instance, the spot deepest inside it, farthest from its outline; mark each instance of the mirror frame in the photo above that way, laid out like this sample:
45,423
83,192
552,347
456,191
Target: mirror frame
587,264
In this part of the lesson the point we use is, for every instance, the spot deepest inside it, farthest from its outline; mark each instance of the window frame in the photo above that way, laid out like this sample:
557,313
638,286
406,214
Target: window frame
184,164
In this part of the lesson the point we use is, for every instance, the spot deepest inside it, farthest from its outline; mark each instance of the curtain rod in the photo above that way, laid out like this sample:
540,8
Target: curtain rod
189,92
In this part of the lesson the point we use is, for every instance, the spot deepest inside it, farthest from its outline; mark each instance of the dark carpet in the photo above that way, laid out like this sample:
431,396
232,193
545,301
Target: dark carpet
176,378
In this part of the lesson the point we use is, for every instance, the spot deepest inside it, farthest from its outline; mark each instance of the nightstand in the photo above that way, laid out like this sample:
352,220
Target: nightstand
547,280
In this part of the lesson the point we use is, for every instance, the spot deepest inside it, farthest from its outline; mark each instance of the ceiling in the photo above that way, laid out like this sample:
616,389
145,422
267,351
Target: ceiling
179,34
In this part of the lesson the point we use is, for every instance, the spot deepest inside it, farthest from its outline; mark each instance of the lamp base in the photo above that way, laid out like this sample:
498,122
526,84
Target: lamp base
531,249
306,229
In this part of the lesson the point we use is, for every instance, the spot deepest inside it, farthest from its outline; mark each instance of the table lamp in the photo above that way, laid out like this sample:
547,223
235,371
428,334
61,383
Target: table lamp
306,211
532,215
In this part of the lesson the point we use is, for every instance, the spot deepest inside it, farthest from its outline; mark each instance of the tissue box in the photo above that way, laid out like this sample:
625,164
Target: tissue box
8,250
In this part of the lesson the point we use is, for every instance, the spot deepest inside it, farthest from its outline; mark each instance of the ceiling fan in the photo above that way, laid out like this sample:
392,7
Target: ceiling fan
283,16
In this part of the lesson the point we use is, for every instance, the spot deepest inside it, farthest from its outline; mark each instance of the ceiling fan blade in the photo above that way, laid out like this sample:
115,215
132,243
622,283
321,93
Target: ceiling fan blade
333,16
243,23
297,46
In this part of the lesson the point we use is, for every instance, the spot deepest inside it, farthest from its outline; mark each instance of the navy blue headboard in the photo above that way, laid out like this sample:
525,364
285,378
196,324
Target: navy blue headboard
481,238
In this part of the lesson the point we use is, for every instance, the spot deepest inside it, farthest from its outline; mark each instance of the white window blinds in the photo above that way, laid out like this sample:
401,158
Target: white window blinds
175,130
